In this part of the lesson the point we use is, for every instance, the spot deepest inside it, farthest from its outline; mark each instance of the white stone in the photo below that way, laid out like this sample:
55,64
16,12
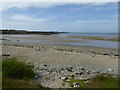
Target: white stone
76,85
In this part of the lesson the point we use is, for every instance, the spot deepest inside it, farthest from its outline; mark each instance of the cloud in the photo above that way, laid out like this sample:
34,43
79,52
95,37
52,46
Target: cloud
19,21
27,18
83,7
95,21
23,5
114,16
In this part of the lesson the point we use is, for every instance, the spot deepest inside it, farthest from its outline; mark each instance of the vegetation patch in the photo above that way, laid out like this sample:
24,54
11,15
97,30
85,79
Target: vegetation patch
103,82
18,74
99,81
18,83
72,81
17,69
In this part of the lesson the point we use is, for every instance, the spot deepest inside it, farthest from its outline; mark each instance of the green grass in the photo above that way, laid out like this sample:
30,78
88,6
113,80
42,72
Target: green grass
72,80
17,69
18,83
103,82
18,74
99,81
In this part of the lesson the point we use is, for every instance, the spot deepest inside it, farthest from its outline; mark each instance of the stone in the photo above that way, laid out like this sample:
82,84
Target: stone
64,78
36,77
110,71
86,81
76,85
79,73
68,80
72,76
70,69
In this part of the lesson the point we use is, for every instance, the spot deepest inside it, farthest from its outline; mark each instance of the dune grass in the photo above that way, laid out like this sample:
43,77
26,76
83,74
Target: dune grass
18,74
17,69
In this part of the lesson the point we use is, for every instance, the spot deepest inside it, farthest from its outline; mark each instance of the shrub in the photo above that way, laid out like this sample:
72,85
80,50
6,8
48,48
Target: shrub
17,69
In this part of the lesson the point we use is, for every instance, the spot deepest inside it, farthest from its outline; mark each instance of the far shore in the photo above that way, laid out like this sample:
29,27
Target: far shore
116,39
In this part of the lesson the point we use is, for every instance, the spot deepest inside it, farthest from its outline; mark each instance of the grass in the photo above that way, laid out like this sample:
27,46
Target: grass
18,83
99,81
103,82
17,69
18,74
72,80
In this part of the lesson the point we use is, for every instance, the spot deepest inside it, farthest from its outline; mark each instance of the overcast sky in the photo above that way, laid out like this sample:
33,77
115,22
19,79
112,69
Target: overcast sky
70,17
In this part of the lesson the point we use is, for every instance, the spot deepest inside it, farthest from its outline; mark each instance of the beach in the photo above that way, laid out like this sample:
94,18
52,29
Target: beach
59,56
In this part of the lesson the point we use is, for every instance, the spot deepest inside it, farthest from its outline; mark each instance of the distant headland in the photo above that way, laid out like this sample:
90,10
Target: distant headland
13,31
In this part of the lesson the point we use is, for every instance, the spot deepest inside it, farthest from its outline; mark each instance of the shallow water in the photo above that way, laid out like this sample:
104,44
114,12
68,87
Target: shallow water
105,35
85,42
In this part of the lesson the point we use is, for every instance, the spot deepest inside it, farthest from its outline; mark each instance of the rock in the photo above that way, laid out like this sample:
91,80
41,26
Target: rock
37,67
36,77
116,55
79,73
86,81
29,46
76,85
105,54
88,72
83,69
6,55
70,69
72,76
64,78
68,80
110,71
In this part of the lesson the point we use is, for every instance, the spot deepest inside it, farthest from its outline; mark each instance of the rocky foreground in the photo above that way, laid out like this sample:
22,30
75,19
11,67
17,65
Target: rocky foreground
48,75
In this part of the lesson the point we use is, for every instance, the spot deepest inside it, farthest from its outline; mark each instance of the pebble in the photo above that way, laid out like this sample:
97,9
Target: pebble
65,73
76,85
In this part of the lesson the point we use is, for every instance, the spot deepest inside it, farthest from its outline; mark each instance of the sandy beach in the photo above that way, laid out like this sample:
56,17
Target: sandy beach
59,56
63,55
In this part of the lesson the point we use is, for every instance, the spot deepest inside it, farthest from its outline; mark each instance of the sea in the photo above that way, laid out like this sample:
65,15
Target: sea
87,42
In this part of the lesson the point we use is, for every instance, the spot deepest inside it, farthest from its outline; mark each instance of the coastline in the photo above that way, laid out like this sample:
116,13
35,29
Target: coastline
62,55
54,62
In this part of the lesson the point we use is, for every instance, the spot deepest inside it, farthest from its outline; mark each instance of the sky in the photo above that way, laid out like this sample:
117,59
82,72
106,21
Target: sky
58,16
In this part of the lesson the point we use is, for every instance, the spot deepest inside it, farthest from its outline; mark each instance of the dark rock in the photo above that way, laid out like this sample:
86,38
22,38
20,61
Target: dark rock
72,76
116,55
6,55
70,69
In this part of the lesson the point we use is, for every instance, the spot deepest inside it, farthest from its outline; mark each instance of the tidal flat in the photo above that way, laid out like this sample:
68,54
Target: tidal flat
55,62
